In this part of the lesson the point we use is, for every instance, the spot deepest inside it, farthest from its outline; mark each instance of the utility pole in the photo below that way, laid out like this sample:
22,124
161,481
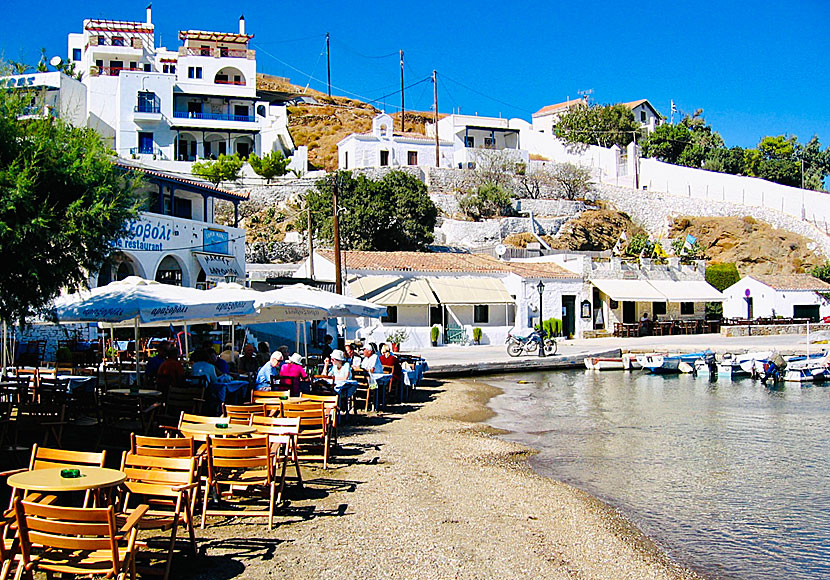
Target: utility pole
435,106
310,247
338,271
636,163
403,111
328,63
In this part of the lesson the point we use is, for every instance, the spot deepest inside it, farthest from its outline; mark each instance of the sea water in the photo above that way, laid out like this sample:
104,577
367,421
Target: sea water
729,477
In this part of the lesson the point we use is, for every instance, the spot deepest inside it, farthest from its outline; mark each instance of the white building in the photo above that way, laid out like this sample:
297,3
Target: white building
456,292
165,107
472,136
383,148
794,295
52,94
545,119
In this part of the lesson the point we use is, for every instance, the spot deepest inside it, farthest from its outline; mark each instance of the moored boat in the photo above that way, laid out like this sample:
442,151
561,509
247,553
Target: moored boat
630,362
604,363
658,363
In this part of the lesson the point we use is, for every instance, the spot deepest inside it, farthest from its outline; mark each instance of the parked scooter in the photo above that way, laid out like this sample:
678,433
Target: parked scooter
519,345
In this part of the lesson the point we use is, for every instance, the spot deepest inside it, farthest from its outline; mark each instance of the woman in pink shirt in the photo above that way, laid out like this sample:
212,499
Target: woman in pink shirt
292,374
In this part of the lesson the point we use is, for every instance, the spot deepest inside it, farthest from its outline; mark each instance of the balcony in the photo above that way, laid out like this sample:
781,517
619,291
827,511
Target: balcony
214,117
148,107
155,151
235,83
108,71
218,52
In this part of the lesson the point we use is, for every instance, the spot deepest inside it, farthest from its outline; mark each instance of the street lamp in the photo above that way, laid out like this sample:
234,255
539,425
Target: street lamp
540,287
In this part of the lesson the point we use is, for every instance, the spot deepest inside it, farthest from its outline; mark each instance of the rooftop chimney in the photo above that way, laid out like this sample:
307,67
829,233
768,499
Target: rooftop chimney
242,24
149,13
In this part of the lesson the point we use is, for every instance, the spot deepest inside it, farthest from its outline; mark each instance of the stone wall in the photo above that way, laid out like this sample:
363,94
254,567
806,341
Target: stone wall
52,333
486,233
771,329
448,205
654,211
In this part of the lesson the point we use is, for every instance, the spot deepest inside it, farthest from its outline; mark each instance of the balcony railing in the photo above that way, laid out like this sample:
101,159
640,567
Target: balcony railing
155,151
236,83
147,107
216,52
113,71
214,117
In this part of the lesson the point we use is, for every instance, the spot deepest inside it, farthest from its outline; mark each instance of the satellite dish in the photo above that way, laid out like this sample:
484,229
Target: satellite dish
55,61
500,250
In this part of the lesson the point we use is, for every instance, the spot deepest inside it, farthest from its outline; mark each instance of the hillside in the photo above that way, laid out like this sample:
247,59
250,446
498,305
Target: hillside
321,126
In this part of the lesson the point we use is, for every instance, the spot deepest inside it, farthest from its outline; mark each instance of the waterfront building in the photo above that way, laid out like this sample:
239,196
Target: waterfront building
52,94
768,296
168,108
545,119
473,136
454,291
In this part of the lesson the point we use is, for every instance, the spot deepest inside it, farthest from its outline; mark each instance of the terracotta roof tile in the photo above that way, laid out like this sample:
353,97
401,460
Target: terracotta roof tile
446,262
803,282
559,107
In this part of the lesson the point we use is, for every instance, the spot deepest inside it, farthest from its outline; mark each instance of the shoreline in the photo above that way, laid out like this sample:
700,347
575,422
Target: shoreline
430,491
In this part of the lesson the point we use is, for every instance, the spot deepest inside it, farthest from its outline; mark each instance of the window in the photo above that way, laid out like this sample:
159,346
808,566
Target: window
243,149
204,50
237,80
469,141
116,66
102,41
133,65
384,158
223,148
642,116
481,314
148,67
99,63
346,160
391,315
223,51
240,111
658,308
182,208
169,272
489,143
145,142
687,308
194,72
76,54
412,158
118,41
148,102
435,315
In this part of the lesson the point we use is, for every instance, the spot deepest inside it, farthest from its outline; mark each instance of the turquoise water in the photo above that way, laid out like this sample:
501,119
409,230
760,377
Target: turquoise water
730,478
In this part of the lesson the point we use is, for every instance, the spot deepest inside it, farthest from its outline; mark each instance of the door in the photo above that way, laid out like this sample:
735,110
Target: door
568,315
629,312
194,109
145,142
806,311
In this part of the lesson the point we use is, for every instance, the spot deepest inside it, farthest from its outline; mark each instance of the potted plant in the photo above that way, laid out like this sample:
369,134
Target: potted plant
433,335
477,335
396,338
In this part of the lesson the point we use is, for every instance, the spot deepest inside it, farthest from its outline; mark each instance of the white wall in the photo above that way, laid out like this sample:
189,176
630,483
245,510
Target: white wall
765,300
364,151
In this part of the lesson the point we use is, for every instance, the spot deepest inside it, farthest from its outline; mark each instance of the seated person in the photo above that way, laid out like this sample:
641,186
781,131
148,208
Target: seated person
222,368
249,362
327,350
292,373
270,370
230,356
645,325
202,367
154,363
387,359
171,371
338,367
371,361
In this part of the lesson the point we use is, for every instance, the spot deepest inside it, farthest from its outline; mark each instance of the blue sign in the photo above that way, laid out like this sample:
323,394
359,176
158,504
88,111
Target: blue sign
145,235
215,241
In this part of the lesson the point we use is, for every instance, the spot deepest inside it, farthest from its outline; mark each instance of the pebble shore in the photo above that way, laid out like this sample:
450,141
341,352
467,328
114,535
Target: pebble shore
427,491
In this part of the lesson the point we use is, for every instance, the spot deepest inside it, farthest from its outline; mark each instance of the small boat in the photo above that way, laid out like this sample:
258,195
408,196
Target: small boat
604,363
668,364
630,362
740,365
810,368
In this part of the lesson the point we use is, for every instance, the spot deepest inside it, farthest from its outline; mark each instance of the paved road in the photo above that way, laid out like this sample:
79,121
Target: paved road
684,343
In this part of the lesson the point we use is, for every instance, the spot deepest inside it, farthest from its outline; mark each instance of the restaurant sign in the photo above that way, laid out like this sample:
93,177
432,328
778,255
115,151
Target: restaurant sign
146,235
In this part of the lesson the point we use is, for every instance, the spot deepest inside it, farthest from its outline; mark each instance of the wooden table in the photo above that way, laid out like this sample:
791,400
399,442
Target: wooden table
50,480
204,429
138,393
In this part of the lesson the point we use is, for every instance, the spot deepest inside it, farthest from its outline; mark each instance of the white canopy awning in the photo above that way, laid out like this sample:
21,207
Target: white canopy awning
470,290
393,291
687,291
219,267
629,290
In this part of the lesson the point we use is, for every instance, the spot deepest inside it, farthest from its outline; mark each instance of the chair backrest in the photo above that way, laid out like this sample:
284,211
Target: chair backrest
329,401
238,453
161,446
157,476
46,458
312,416
388,369
190,419
65,528
186,397
278,429
362,377
269,396
241,414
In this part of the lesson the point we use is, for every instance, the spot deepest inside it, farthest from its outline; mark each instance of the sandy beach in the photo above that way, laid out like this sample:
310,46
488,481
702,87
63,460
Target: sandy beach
427,491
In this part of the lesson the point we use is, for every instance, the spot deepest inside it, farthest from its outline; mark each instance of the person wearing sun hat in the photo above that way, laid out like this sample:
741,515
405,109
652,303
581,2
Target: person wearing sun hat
338,369
292,373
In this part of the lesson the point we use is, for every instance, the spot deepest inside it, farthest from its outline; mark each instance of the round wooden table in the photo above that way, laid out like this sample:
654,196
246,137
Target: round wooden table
138,393
50,479
211,429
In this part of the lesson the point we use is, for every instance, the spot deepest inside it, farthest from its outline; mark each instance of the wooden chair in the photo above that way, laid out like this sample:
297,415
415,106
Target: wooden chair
166,485
187,397
47,458
282,434
239,463
9,544
314,429
75,541
363,390
332,405
122,415
162,446
41,419
271,400
241,414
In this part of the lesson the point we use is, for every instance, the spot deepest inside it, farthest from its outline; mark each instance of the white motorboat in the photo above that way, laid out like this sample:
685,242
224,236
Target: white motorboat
604,363
630,362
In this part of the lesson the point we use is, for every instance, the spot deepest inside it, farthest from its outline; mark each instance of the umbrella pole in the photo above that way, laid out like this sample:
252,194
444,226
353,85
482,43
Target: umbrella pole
137,357
297,338
5,347
186,343
305,342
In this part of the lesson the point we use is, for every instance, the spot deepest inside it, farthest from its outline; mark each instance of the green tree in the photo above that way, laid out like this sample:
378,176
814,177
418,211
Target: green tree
667,142
603,125
393,213
725,160
226,168
722,275
487,201
62,203
269,166
775,160
822,272
816,163
687,143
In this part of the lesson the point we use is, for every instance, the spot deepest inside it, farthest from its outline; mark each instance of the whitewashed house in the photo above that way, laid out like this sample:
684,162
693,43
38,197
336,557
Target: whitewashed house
790,296
473,136
456,292
52,94
383,148
168,108
545,119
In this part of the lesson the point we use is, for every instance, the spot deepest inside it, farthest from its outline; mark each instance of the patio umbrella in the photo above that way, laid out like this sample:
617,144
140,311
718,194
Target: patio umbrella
337,305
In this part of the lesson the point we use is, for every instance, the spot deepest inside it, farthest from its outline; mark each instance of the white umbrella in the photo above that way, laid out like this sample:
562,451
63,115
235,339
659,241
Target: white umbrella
337,305
269,306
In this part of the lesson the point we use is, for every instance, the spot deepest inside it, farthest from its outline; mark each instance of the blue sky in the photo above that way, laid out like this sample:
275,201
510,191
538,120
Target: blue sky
756,68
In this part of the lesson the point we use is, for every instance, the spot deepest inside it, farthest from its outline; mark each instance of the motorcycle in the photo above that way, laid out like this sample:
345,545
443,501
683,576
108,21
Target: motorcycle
518,345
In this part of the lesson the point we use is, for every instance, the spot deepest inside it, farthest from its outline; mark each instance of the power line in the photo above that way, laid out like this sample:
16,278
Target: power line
399,90
486,95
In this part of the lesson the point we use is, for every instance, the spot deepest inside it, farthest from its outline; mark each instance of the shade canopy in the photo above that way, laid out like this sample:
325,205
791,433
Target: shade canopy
335,304
470,290
270,306
394,291
148,302
658,290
